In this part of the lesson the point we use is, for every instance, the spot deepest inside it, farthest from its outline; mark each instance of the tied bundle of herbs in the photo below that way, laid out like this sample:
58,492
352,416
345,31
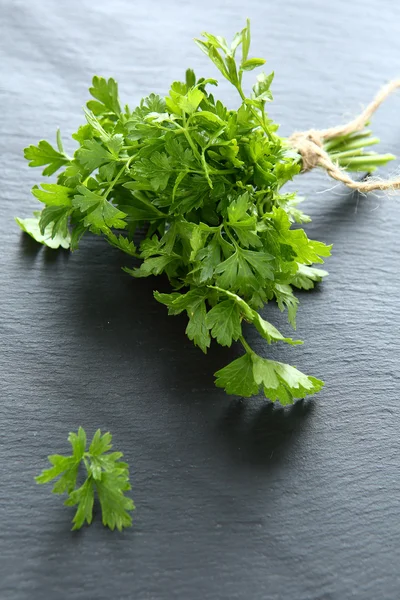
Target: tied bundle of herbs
205,183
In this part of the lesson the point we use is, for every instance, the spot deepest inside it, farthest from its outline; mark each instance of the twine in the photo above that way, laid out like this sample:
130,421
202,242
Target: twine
309,144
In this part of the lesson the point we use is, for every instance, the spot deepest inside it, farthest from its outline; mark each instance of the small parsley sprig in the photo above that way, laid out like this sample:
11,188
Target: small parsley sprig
105,474
205,184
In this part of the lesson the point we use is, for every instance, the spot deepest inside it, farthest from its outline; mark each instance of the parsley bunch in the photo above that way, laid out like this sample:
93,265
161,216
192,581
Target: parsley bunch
205,183
106,475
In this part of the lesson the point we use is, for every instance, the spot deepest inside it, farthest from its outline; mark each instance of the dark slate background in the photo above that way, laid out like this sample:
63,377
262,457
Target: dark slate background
235,499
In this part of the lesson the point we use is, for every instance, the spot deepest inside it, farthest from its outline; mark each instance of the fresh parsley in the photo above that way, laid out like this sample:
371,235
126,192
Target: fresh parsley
106,475
205,182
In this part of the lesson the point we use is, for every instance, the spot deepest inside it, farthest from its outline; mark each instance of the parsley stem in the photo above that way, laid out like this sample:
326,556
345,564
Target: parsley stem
201,157
205,167
255,113
114,181
230,236
245,345
191,144
263,112
357,144
197,154
136,255
222,171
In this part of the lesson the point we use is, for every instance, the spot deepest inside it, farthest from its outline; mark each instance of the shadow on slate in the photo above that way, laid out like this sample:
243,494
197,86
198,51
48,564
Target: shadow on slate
335,214
336,211
251,429
30,250
268,436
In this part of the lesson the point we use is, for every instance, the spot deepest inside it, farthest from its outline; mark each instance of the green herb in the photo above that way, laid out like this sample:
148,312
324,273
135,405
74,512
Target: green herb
105,474
205,183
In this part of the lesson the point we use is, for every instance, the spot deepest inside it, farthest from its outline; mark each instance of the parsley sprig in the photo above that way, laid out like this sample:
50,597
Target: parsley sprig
106,474
205,183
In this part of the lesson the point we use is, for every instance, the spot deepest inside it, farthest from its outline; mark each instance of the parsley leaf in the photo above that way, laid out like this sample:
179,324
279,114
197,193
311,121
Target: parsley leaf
53,195
46,237
237,378
105,93
45,154
279,381
224,322
243,270
122,243
266,329
84,498
106,475
100,215
92,155
157,169
306,277
194,304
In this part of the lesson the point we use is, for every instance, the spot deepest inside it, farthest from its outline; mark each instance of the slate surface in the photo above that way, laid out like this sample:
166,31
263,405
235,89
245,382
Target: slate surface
236,500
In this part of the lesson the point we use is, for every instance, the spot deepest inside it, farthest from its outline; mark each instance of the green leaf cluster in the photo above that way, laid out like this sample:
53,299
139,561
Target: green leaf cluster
204,182
106,475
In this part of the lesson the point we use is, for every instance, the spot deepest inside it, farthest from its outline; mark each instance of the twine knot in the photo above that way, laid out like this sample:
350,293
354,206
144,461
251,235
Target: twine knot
310,145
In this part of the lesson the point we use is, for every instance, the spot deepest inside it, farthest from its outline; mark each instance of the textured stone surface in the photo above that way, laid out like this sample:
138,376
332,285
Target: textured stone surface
236,500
